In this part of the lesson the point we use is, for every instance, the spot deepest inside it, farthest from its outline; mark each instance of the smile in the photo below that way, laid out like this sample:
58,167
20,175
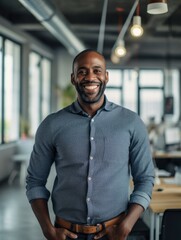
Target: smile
91,87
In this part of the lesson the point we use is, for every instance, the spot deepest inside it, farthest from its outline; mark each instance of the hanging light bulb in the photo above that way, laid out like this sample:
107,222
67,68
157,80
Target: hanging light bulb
136,29
120,50
157,7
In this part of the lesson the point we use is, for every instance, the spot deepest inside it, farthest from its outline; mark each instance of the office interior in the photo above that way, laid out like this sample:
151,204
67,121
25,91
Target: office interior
38,42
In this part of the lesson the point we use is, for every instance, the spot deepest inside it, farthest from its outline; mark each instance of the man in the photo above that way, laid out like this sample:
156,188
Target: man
94,144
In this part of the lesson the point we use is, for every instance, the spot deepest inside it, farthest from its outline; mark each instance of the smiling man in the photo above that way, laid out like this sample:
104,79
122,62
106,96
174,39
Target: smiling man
96,145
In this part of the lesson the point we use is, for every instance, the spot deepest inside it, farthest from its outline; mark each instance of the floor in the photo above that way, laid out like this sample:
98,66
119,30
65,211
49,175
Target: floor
17,221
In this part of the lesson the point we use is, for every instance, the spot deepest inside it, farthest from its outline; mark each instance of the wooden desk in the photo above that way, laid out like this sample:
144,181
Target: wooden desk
167,155
168,198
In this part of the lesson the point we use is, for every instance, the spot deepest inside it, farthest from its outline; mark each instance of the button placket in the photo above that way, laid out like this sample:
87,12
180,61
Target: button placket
90,170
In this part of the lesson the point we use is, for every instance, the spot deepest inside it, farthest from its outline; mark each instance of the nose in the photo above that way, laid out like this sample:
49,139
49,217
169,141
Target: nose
90,75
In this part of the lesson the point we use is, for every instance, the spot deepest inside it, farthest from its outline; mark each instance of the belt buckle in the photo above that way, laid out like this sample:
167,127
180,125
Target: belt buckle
98,227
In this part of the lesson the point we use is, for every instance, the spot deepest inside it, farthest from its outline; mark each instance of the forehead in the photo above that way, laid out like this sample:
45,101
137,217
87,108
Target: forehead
90,59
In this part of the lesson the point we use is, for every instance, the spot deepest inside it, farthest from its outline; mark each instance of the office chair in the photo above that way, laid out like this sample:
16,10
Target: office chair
20,159
171,225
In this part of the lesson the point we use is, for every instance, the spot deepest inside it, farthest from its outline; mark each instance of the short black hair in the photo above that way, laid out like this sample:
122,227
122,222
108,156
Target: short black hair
81,53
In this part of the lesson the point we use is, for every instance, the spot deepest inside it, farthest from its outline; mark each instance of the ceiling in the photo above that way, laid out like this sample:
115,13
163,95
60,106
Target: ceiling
161,38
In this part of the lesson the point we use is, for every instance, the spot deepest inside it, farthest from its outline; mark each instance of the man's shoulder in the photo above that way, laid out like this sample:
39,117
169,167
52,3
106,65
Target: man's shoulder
123,110
54,116
127,116
58,114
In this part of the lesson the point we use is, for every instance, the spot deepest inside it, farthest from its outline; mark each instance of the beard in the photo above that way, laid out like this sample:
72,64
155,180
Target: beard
88,98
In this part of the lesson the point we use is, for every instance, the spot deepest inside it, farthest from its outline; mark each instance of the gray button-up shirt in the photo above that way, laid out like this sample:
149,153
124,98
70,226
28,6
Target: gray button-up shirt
93,158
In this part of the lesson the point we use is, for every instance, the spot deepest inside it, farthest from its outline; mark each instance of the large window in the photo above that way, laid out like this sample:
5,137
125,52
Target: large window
139,90
119,87
34,92
114,86
130,85
39,90
151,83
10,89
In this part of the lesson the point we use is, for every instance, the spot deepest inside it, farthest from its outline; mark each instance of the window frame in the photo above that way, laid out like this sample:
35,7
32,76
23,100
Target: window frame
139,88
40,114
2,139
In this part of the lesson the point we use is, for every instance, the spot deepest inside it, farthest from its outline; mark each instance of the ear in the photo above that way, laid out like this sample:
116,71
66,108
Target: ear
107,77
72,79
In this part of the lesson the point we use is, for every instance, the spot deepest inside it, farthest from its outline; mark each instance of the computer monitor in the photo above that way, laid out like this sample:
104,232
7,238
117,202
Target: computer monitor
172,138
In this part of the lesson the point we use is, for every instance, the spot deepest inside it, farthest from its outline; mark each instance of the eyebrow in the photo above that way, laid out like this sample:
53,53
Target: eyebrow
83,67
97,67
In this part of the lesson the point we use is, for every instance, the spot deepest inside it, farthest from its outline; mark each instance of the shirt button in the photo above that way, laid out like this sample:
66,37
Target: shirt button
92,120
92,138
88,199
89,178
91,158
88,218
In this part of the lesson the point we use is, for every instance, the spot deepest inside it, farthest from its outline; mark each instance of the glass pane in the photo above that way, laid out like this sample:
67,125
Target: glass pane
34,93
151,107
115,78
46,87
12,91
113,95
0,90
174,88
151,78
130,90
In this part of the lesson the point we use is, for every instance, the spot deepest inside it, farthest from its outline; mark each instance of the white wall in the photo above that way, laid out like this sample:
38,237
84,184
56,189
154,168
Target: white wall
63,67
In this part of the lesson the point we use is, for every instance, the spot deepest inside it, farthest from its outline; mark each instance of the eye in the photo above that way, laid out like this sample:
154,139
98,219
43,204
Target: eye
97,71
82,72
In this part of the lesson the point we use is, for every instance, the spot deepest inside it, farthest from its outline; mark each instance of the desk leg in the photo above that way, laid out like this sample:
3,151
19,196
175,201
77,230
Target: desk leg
152,225
157,226
22,173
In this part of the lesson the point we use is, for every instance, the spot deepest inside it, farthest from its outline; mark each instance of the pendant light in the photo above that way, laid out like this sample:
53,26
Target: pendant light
157,6
120,50
136,29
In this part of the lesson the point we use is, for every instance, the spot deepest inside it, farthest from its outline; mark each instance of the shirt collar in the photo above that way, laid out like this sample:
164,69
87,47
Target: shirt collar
76,108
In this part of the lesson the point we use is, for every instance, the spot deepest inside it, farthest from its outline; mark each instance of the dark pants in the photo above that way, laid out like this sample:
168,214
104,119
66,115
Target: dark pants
82,236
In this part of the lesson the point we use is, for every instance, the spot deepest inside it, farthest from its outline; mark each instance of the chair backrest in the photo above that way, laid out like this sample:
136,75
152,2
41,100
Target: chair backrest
171,225
24,146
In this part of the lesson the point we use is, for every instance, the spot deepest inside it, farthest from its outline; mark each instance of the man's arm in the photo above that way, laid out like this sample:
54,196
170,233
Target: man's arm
125,226
41,211
122,230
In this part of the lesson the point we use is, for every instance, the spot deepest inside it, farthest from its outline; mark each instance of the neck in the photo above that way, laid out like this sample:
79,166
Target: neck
91,108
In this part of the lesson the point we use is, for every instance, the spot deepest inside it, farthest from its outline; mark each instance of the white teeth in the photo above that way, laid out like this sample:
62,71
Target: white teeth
90,87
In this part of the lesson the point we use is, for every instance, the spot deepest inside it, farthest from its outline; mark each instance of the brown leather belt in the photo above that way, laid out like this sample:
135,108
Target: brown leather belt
88,229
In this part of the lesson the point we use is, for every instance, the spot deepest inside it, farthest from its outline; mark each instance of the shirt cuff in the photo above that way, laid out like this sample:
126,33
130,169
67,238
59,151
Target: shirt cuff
140,198
38,192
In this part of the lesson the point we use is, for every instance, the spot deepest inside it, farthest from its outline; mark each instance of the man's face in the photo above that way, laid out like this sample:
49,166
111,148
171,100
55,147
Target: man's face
90,77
